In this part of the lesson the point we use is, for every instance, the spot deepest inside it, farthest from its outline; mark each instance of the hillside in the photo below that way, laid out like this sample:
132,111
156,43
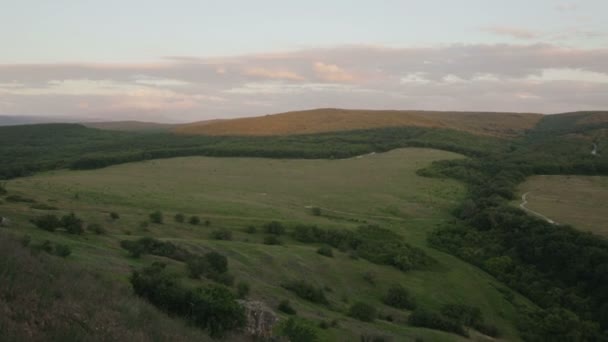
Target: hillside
133,126
329,120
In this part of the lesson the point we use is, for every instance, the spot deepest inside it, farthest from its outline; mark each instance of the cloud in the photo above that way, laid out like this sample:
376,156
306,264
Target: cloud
273,74
497,77
513,32
332,73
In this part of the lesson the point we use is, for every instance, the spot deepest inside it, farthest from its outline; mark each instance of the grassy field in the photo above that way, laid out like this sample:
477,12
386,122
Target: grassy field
234,193
331,120
580,201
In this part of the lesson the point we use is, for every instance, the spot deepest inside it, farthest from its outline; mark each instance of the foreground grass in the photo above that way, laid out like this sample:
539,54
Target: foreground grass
237,192
581,201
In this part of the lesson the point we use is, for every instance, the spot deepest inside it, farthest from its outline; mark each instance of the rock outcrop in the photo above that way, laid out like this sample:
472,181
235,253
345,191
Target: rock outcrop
260,319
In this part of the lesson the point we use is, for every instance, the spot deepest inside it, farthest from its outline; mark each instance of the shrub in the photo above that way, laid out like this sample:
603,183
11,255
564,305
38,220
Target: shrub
316,211
194,220
156,217
114,216
179,218
207,223
326,251
370,278
221,234
96,228
72,224
399,297
426,319
242,289
362,311
134,248
299,331
306,291
251,230
274,227
62,250
272,240
217,262
3,190
213,308
212,265
465,314
47,222
285,307
144,224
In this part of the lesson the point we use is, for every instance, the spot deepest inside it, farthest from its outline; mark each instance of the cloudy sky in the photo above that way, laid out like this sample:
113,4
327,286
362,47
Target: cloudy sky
186,60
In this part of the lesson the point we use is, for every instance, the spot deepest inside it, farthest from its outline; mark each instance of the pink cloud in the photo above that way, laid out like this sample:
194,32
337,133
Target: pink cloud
273,74
332,73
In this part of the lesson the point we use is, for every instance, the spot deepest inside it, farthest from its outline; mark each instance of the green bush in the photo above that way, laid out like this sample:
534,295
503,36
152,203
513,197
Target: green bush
285,307
272,240
242,289
3,190
179,218
362,311
96,228
221,234
114,216
251,230
72,224
274,227
156,217
399,297
465,314
370,278
306,291
299,331
62,250
325,251
213,308
427,319
47,222
194,220
316,211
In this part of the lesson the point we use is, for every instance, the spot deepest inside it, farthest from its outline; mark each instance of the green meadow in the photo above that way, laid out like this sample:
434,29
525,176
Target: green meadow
235,193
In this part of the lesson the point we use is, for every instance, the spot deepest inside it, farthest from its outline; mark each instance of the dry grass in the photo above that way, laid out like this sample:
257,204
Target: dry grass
329,120
581,201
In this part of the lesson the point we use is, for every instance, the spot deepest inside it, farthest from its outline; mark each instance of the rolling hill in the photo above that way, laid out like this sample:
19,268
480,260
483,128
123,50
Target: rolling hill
330,120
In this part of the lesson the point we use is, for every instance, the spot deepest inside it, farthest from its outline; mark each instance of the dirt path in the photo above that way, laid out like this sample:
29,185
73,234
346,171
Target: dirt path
524,201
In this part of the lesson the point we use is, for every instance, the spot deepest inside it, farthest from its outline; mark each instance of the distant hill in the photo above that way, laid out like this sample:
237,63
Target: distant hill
131,126
11,120
331,120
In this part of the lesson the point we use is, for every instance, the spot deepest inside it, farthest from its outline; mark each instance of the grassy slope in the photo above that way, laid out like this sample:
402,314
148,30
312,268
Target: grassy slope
581,201
381,188
328,120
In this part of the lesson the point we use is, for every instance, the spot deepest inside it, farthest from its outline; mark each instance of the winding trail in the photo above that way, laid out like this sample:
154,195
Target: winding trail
524,201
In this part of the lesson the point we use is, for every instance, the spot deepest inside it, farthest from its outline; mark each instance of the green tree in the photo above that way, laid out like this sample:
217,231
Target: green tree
156,217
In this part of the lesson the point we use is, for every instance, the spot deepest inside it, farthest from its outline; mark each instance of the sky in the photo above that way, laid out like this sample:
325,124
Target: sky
187,60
